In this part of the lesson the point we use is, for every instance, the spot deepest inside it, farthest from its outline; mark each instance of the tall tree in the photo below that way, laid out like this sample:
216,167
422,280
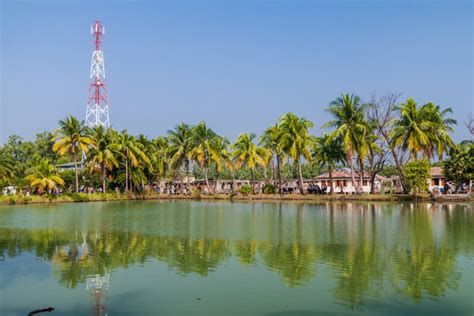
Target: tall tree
328,152
380,116
159,158
104,153
72,138
202,148
296,141
222,157
422,129
246,153
133,154
179,147
271,139
349,125
7,168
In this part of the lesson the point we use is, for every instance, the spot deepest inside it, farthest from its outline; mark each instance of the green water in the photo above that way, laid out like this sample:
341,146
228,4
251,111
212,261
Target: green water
202,258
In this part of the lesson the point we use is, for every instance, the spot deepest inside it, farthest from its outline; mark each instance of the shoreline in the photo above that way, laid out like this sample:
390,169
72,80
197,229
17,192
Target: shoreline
98,197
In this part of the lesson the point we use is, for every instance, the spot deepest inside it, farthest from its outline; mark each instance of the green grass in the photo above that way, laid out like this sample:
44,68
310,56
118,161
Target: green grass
83,197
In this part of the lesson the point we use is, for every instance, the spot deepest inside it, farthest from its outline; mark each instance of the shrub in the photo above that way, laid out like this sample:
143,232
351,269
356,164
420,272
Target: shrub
269,189
196,194
417,174
245,189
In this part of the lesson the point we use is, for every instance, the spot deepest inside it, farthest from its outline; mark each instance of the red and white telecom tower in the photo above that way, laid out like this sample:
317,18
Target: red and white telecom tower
97,112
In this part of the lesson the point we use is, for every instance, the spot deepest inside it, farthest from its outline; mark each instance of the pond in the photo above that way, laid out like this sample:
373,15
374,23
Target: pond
222,258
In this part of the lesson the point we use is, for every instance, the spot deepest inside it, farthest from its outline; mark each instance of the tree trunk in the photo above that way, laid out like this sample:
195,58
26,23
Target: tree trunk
351,164
187,175
279,173
75,172
253,182
361,176
399,169
103,179
300,174
330,179
126,174
207,181
372,183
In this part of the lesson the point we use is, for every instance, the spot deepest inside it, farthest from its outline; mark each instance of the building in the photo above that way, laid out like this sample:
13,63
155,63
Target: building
342,181
437,179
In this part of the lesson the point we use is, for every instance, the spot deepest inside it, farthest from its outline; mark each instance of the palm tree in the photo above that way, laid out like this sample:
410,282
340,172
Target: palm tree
43,177
410,131
202,148
296,141
350,126
104,152
150,152
160,150
248,154
439,134
271,139
72,138
179,147
7,168
132,151
221,156
328,152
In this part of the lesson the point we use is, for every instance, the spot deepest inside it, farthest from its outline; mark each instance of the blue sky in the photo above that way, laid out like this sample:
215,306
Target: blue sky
238,65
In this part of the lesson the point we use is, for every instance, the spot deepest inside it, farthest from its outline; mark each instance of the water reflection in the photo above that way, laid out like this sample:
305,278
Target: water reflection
366,249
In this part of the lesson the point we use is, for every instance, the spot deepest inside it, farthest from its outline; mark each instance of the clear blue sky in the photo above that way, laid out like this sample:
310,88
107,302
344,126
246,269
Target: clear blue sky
237,65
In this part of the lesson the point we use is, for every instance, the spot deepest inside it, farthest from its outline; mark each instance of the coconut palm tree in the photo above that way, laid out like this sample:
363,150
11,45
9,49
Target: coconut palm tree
43,177
328,152
179,147
423,129
271,139
7,168
150,152
133,153
296,141
222,158
159,157
202,148
439,135
350,126
248,154
72,138
104,154
410,130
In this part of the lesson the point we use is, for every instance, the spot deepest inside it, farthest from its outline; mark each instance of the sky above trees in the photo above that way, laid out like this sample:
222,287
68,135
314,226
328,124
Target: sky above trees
238,66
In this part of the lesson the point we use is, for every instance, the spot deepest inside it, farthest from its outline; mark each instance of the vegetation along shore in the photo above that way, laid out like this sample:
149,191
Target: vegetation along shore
383,146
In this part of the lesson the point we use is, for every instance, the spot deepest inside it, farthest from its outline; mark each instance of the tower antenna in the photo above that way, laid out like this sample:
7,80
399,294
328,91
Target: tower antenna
97,112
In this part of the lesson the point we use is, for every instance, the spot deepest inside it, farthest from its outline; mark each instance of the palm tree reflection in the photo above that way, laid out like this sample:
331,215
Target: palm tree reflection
410,250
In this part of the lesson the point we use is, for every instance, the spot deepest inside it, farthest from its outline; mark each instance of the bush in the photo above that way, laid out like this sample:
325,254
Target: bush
269,189
245,189
417,174
196,194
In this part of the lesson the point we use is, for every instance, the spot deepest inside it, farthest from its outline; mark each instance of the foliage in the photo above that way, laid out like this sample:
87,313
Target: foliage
459,167
249,154
423,129
296,140
72,139
417,174
245,189
269,189
43,177
364,133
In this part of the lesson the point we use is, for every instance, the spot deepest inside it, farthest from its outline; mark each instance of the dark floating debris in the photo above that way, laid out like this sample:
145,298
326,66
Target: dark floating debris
41,310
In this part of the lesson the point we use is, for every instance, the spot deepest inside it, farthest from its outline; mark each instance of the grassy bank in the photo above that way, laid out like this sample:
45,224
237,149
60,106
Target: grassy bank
82,197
